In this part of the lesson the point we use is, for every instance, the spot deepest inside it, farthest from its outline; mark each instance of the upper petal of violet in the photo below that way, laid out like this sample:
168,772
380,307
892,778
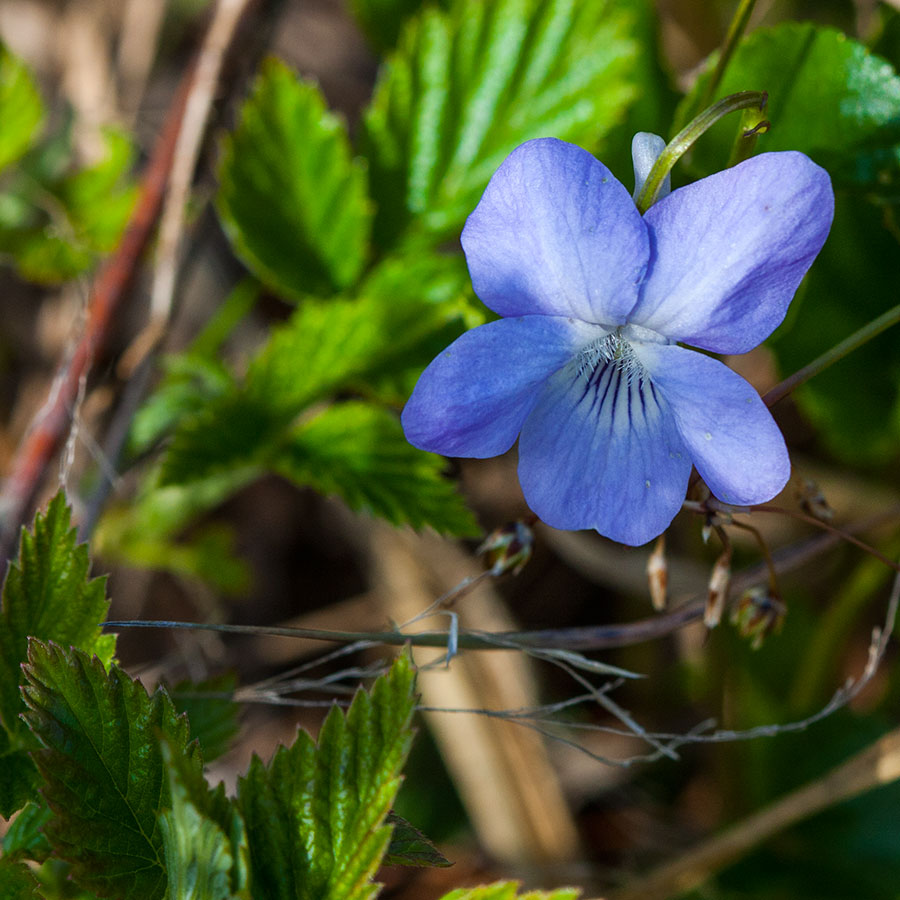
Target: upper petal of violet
729,251
556,234
473,398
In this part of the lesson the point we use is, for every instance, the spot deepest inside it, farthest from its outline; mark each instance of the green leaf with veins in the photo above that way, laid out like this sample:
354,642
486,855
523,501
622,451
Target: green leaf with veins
105,777
409,847
376,345
829,97
316,813
291,198
197,852
359,452
49,595
212,712
382,20
468,85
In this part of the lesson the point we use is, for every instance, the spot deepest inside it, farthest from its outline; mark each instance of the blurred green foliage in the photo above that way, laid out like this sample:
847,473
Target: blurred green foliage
56,217
833,99
356,242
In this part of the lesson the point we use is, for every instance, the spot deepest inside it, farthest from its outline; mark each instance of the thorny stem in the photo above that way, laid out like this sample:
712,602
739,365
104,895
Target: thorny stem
686,138
836,353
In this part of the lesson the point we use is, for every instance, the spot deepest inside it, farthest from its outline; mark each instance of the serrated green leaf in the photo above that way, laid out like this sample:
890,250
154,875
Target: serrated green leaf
315,815
197,852
391,326
212,712
291,198
16,881
47,594
424,302
229,434
359,452
507,890
104,773
25,838
214,806
465,87
407,311
409,847
190,383
21,109
829,97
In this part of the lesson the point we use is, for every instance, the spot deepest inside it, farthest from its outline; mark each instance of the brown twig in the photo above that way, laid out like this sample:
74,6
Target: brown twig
114,277
111,284
596,637
218,39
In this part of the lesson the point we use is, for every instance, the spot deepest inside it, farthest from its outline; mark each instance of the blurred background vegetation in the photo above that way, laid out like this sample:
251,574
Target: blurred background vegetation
87,87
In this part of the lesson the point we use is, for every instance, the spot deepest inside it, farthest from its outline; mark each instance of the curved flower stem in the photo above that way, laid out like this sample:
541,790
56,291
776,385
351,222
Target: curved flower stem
735,32
838,352
767,555
686,138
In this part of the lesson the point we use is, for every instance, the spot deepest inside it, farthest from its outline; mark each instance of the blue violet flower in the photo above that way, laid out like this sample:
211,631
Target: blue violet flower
585,365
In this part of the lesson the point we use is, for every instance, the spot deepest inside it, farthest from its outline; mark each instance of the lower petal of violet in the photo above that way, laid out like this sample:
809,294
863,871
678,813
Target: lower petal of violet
600,450
731,435
474,397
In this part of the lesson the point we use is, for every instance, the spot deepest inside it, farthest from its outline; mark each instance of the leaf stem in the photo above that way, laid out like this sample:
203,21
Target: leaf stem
838,352
735,32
